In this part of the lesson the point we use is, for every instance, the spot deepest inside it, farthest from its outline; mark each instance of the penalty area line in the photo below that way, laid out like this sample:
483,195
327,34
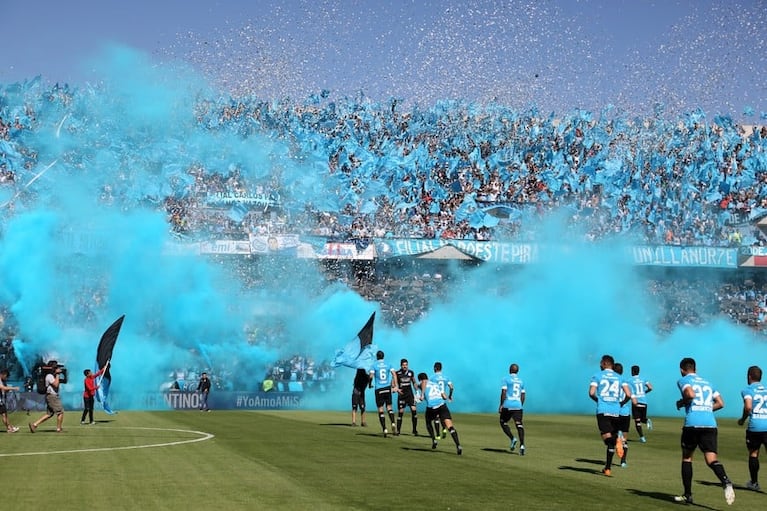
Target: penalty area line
203,436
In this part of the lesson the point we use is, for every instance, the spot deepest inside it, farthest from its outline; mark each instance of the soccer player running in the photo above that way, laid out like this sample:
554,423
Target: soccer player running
624,422
755,410
605,389
436,410
361,381
383,378
406,396
446,386
700,399
640,388
512,400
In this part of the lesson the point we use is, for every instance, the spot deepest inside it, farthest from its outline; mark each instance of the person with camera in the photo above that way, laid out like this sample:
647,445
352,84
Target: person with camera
52,398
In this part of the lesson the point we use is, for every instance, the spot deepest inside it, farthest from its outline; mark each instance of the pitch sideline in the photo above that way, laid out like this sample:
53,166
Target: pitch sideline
204,436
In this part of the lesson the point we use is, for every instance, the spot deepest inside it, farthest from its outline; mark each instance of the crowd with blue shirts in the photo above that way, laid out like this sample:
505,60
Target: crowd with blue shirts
452,170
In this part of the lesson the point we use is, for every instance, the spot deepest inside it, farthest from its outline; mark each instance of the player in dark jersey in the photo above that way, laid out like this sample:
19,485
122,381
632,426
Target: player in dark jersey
406,396
361,382
624,422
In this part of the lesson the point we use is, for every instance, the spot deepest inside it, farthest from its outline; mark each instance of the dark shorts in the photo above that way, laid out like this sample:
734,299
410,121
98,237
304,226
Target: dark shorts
383,397
358,399
508,414
756,439
405,399
639,412
624,423
441,412
704,438
608,424
3,409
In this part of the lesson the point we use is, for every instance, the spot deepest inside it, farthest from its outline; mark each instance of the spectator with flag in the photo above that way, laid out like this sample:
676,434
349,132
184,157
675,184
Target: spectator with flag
89,393
103,358
361,382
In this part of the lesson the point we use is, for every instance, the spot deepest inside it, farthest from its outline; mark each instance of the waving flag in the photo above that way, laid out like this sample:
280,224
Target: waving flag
360,352
104,355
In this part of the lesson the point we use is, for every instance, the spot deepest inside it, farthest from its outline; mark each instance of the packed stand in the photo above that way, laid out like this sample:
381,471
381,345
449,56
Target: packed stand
455,170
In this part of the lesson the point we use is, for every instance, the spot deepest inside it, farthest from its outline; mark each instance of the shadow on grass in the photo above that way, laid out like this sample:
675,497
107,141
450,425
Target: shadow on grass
710,483
420,449
665,497
583,470
590,461
346,424
499,451
374,434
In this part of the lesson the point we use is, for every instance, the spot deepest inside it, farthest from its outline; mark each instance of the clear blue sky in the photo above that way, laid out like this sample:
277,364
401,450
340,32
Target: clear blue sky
557,54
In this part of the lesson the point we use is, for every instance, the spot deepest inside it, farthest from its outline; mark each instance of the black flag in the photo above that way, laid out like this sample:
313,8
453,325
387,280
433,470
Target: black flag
366,334
107,344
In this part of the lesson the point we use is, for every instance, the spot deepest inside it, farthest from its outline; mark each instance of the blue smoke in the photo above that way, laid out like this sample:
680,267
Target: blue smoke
91,224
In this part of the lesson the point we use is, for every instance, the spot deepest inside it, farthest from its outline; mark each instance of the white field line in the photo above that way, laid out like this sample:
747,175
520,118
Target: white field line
203,436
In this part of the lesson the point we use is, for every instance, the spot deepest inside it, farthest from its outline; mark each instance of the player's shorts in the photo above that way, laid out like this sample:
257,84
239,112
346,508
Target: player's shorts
624,423
53,404
755,440
608,424
383,397
639,412
3,409
441,412
508,414
405,399
704,438
358,399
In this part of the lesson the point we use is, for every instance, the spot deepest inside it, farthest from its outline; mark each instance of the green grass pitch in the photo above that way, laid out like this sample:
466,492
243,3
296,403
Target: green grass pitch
315,460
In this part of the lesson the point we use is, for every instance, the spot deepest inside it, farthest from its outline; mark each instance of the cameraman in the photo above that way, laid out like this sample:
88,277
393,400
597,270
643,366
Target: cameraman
52,398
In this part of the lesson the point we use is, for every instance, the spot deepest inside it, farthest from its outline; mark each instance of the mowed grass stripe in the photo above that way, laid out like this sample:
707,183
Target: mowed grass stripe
314,460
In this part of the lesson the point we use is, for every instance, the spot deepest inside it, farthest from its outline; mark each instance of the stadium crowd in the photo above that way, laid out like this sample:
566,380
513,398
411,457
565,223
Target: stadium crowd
454,170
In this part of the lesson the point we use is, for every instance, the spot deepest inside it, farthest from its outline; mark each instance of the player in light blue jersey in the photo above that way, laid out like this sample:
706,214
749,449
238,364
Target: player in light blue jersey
446,386
624,420
755,410
700,399
639,389
512,399
437,410
605,389
383,378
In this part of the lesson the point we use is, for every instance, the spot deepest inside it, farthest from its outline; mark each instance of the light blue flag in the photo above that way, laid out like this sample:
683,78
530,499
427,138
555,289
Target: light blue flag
359,352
